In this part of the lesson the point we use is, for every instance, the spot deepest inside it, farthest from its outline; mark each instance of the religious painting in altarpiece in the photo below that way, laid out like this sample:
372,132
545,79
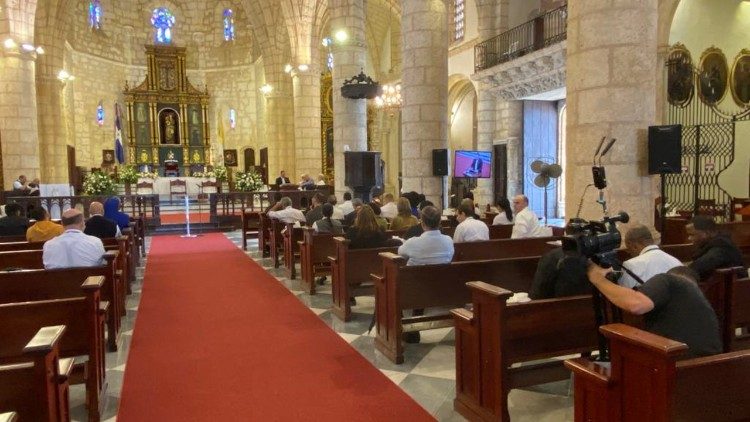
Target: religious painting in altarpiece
166,114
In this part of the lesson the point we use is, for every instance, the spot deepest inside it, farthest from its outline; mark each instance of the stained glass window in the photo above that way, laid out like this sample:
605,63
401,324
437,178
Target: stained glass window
95,14
458,20
228,25
100,114
232,118
163,20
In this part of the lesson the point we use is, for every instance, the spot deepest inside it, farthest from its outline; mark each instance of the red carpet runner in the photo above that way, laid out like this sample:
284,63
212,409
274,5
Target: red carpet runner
219,339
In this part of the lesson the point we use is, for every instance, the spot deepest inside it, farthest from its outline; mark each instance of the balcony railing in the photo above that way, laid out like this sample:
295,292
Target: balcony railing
545,30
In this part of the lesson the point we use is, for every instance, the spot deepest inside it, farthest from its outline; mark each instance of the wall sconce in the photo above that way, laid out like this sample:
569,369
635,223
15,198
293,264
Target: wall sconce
9,44
266,89
64,76
26,48
303,68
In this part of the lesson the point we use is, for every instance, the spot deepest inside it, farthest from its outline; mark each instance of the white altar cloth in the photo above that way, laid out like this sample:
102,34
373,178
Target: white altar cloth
161,185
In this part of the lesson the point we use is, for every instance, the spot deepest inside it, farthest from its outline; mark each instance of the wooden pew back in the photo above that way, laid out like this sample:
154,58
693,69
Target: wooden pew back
502,231
314,252
504,248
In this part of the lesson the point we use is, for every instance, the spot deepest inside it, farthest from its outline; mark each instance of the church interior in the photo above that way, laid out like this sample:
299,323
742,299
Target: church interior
249,144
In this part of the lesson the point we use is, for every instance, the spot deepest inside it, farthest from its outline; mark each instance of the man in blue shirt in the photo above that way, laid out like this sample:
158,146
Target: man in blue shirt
432,247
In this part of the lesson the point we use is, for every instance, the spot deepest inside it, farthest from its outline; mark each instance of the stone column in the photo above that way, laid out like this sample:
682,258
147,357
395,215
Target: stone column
611,82
509,128
425,94
280,135
349,116
18,117
52,138
486,128
306,87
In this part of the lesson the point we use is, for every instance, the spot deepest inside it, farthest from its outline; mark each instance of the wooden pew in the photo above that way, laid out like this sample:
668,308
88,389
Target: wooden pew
401,287
84,318
502,231
502,248
350,274
139,229
659,386
314,252
291,236
264,234
496,335
36,389
250,226
275,240
737,316
39,284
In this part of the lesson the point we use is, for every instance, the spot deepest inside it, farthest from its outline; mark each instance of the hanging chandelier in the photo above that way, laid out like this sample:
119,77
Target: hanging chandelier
390,100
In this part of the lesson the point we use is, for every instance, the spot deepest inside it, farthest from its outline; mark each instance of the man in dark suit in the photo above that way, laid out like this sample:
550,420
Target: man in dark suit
99,226
475,169
282,179
316,213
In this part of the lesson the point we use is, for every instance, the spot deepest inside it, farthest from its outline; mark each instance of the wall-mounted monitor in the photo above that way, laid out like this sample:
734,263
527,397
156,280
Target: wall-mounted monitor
473,164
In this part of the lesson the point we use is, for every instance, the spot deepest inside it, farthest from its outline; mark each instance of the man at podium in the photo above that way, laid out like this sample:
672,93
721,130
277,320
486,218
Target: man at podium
282,179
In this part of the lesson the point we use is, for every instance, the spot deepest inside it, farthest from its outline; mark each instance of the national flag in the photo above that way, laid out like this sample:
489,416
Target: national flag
119,150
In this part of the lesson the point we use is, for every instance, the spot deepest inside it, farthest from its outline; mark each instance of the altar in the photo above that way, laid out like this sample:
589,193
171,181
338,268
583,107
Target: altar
192,184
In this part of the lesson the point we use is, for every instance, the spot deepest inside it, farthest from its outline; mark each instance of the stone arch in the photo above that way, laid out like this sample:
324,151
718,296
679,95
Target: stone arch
462,113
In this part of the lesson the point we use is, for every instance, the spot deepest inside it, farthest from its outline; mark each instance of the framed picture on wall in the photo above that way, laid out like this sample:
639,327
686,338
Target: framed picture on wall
740,80
679,76
230,157
108,156
714,75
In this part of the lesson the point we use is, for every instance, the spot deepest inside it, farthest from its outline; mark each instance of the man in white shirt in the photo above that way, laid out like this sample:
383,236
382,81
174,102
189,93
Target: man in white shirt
526,223
432,247
284,212
21,184
73,248
648,260
337,213
346,207
469,229
388,210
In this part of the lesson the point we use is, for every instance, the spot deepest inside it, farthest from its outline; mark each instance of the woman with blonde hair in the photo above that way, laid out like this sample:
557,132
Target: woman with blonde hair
404,219
365,233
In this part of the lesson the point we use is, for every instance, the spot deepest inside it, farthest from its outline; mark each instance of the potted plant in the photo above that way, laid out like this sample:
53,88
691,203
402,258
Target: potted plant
127,177
220,173
99,184
248,181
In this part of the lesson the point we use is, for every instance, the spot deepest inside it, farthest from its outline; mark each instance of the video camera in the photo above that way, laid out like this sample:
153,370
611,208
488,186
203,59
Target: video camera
596,240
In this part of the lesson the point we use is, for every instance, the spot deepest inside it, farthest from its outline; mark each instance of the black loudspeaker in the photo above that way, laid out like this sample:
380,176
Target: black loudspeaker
362,169
664,148
440,162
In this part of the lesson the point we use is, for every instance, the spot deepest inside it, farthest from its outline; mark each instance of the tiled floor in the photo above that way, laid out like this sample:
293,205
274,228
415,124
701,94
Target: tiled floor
427,374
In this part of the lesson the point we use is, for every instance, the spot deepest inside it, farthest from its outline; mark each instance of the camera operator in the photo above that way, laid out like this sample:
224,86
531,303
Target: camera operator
648,260
672,306
714,249
560,273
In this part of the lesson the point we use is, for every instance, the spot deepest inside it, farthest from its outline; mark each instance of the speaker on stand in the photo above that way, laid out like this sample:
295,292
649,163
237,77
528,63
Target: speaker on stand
440,168
664,157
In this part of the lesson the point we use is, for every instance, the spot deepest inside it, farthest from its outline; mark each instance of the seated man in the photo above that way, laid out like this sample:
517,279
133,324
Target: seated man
13,224
306,182
284,211
475,169
346,207
282,179
316,213
43,230
417,230
73,248
714,249
469,229
21,185
648,260
431,247
672,304
99,226
526,223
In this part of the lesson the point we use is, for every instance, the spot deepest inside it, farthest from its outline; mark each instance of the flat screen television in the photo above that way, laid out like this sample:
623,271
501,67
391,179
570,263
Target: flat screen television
473,164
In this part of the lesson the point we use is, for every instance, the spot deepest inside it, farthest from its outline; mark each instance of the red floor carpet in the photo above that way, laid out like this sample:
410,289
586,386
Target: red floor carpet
195,218
219,339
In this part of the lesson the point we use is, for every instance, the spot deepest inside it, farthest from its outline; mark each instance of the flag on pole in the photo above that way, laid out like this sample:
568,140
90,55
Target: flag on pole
119,150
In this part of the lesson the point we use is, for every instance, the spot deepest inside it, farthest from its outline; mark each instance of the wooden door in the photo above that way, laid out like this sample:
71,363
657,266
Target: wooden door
72,171
264,163
500,172
249,159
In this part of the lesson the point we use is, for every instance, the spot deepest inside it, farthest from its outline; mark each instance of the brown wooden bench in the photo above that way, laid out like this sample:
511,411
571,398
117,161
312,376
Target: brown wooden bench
502,231
737,316
250,226
276,240
39,284
264,234
400,287
291,236
314,252
494,338
83,317
648,382
502,248
36,389
350,274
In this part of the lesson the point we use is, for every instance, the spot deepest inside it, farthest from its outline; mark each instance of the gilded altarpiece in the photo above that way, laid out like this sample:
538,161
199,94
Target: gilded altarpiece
167,116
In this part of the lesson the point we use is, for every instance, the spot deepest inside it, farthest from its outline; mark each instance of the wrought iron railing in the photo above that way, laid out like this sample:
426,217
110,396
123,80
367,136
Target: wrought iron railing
545,30
226,208
134,205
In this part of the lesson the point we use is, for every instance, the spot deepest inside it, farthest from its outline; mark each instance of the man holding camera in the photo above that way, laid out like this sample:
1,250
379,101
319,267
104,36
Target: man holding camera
648,260
672,305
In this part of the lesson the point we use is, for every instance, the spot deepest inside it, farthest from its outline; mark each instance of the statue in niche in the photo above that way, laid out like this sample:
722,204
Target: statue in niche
194,116
144,156
170,134
141,113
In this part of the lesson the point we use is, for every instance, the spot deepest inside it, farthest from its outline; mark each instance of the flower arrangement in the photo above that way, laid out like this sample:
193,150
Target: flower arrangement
148,175
220,173
128,175
248,181
99,183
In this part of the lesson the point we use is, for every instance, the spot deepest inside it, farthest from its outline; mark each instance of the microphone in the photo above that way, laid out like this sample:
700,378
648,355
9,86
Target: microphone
599,148
607,148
